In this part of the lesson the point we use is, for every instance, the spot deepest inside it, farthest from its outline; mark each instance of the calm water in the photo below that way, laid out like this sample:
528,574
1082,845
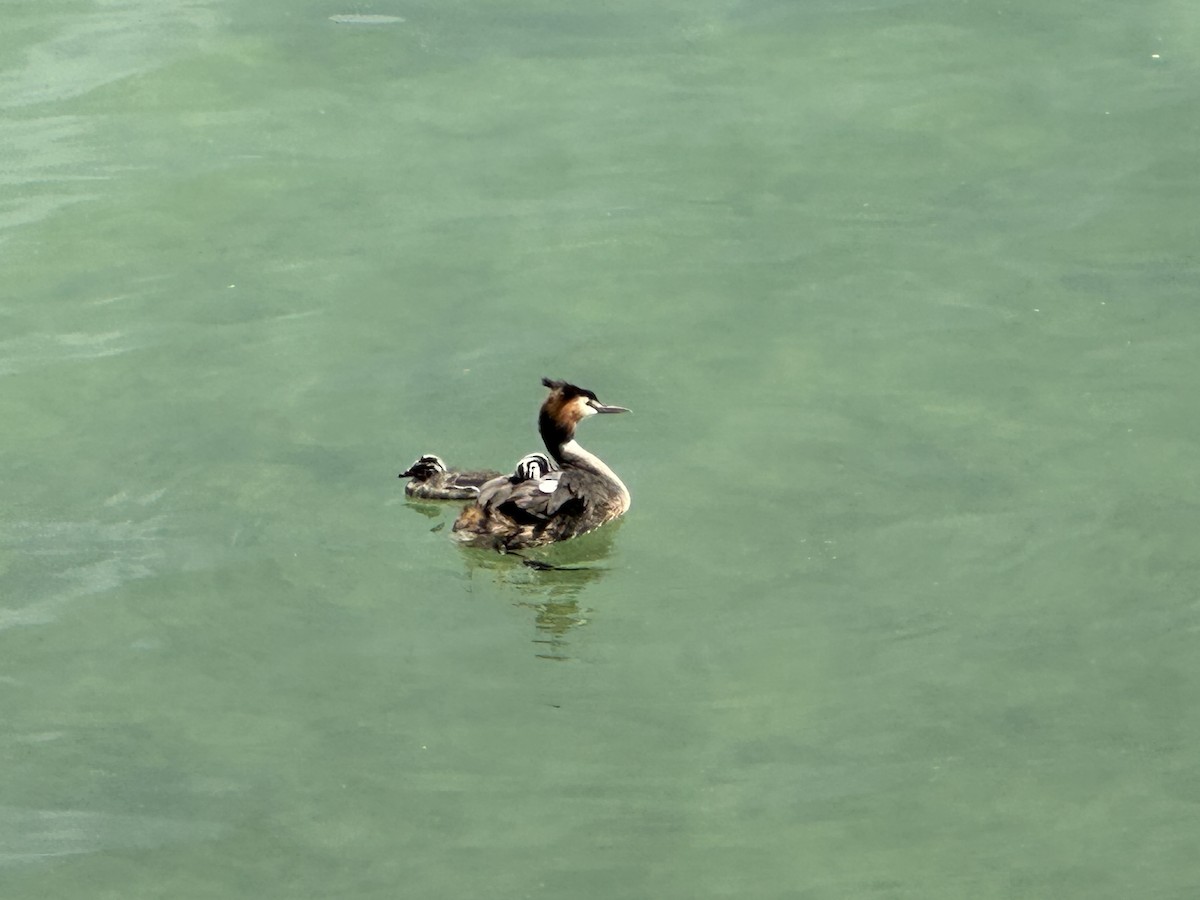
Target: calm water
903,296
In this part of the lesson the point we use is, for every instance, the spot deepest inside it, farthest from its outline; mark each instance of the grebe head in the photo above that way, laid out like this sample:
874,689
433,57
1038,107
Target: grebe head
425,468
567,405
531,467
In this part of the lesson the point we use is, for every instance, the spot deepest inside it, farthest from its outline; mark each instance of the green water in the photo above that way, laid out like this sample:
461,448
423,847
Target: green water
903,297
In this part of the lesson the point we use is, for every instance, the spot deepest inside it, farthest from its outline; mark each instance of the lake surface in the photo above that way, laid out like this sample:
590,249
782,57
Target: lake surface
904,298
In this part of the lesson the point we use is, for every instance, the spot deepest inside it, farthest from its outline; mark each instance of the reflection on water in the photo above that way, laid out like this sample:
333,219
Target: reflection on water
552,594
553,619
431,511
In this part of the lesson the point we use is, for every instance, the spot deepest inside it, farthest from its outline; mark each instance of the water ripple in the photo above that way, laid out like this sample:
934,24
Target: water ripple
121,38
42,349
31,835
58,563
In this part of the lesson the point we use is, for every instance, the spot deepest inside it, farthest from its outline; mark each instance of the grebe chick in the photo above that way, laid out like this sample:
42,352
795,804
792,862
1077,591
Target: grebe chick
433,480
581,495
530,467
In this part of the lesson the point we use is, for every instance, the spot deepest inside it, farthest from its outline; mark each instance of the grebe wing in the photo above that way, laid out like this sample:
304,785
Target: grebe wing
544,498
475,479
489,490
497,489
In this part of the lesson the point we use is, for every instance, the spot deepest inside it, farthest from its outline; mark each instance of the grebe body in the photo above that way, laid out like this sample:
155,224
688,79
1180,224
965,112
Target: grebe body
578,497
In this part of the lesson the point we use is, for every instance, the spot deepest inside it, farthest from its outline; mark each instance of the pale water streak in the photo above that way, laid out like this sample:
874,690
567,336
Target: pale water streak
39,835
103,42
60,563
365,19
34,350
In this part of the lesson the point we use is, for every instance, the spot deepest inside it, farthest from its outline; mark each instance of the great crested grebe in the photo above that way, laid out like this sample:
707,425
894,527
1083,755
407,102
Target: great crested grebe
433,480
582,494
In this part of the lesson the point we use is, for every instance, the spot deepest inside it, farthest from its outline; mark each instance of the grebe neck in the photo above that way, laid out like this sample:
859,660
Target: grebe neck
571,455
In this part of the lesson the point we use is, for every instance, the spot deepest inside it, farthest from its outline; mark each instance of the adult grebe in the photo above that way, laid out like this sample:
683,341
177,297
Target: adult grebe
433,480
581,495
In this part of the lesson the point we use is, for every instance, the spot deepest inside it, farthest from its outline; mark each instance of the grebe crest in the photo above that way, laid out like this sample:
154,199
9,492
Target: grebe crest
580,495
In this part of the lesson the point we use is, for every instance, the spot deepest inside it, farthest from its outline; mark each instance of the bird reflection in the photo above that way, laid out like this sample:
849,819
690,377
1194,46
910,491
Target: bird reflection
552,593
429,511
